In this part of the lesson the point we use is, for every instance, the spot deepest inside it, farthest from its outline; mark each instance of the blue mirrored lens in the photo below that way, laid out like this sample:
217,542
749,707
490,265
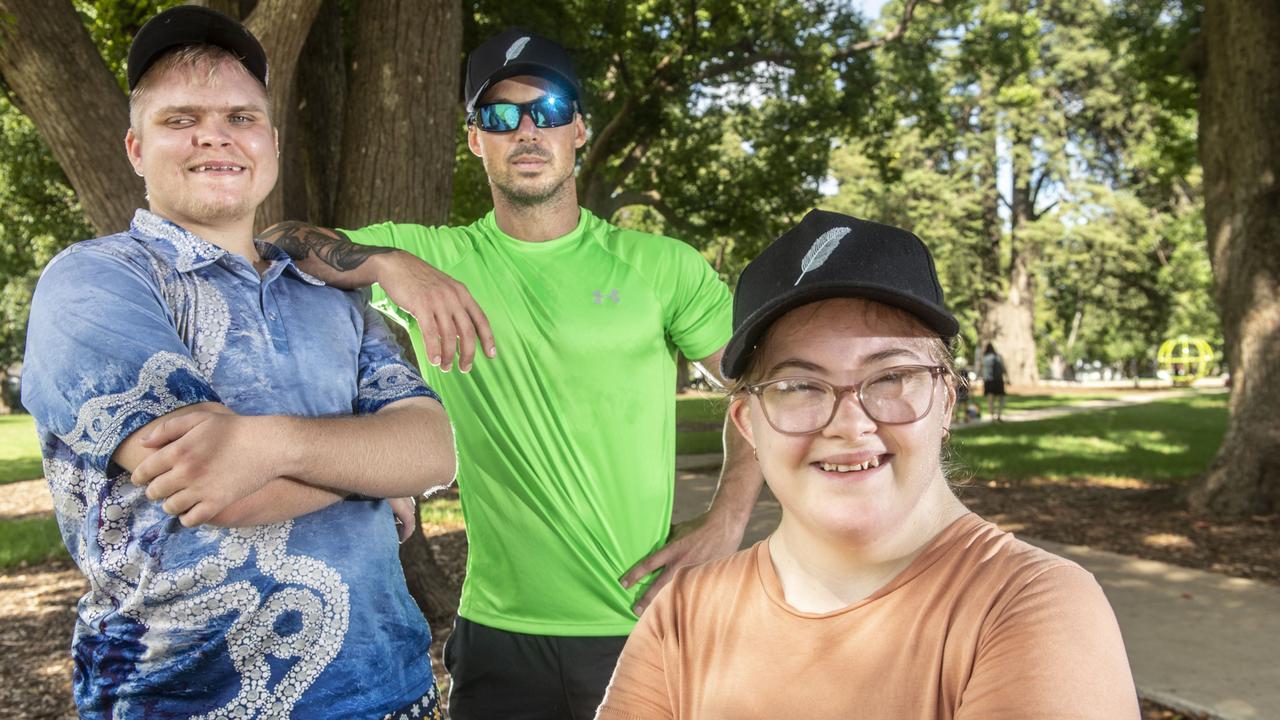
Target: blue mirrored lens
499,117
551,111
546,112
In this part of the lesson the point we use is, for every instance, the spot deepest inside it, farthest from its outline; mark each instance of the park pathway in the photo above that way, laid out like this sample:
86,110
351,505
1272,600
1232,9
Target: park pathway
1197,641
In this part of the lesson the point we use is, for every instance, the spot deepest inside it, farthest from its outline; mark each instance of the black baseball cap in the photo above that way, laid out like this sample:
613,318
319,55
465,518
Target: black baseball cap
516,51
194,25
829,255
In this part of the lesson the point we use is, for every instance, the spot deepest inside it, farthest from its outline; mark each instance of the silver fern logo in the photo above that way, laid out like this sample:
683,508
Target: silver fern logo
821,250
516,48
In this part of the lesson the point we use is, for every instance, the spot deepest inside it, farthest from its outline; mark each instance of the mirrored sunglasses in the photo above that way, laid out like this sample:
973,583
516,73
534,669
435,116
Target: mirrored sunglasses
547,111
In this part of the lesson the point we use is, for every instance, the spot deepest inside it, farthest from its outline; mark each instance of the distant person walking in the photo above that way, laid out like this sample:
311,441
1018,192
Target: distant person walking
993,381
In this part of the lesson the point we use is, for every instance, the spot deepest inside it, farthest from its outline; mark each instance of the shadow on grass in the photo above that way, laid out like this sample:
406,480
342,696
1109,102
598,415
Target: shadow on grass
1163,442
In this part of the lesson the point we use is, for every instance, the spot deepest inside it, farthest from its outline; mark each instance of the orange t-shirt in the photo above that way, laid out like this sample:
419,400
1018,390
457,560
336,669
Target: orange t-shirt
980,626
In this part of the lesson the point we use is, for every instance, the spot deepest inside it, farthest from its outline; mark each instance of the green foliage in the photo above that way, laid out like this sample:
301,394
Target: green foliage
719,116
1000,105
1168,441
19,449
112,25
30,541
39,215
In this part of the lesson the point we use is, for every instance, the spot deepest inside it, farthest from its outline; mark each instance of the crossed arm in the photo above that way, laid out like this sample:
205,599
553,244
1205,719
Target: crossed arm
208,464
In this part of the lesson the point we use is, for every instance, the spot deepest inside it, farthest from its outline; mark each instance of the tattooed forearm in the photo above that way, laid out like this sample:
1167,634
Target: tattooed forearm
302,240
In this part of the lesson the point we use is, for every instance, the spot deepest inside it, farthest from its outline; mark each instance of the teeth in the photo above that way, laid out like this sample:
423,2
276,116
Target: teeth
830,467
206,168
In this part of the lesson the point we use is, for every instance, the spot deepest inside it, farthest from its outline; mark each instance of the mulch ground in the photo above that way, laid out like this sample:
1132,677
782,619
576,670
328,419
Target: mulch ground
36,603
1131,519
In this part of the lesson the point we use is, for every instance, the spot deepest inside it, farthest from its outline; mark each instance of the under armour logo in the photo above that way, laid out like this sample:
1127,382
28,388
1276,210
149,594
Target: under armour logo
612,295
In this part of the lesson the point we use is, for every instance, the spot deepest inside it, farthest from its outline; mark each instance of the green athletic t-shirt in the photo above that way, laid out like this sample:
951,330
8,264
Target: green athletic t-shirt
566,440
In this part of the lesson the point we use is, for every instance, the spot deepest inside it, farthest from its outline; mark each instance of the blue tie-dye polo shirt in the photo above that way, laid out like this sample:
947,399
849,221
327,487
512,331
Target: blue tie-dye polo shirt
308,618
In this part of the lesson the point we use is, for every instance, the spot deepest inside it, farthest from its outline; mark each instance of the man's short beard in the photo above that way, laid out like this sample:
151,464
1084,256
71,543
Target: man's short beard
522,197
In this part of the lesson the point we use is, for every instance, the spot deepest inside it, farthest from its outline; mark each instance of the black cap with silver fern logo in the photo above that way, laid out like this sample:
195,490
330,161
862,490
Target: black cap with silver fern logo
515,51
829,255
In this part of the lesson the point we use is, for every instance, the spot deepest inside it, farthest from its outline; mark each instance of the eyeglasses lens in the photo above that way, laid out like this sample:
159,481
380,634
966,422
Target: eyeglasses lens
804,405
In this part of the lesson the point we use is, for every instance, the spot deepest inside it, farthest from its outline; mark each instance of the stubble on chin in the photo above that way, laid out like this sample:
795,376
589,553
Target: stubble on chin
530,195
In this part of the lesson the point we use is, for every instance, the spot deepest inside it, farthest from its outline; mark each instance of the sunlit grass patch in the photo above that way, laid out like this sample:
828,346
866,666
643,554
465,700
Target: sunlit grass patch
1167,441
444,513
19,450
29,541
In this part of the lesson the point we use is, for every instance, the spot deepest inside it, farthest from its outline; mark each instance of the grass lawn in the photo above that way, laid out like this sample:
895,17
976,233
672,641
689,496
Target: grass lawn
19,451
699,424
29,541
445,511
1162,442
1036,402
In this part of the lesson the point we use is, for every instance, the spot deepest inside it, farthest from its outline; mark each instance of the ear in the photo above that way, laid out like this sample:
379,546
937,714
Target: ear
949,388
473,141
133,149
579,131
740,414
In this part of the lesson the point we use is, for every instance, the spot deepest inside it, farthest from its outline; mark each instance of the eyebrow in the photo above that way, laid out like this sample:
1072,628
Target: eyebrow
197,109
798,364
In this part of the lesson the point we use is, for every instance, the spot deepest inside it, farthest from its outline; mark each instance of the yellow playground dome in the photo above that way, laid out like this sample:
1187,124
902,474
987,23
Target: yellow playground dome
1186,359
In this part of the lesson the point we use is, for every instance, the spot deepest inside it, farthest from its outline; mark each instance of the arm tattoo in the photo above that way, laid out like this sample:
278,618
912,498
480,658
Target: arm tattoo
331,247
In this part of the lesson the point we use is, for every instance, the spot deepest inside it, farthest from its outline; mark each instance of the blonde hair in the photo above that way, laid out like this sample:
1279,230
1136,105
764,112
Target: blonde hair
203,61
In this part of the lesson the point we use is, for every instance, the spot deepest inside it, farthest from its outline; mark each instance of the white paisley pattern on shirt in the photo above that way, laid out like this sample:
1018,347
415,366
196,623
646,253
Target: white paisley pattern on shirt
130,327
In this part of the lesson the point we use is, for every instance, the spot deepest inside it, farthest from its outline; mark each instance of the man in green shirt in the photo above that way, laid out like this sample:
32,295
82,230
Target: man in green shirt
566,439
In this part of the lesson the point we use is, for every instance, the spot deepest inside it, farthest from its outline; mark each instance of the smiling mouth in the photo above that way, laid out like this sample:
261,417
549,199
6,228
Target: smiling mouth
866,465
217,167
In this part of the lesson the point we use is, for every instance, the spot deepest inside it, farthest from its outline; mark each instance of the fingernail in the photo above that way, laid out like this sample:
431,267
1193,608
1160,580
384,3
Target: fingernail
465,368
491,351
435,360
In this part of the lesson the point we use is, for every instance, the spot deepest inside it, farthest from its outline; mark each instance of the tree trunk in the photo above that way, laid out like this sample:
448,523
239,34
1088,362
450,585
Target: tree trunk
430,587
402,113
60,81
314,153
398,139
1240,152
282,26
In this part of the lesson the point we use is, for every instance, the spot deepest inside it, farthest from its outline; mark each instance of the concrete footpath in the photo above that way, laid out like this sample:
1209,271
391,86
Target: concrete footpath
1197,641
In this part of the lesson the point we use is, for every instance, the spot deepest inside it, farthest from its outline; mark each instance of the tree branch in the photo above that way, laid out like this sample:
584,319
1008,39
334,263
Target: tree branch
600,144
750,57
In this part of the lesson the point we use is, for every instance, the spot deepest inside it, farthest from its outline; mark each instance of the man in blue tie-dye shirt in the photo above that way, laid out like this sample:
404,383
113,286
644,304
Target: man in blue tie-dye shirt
219,429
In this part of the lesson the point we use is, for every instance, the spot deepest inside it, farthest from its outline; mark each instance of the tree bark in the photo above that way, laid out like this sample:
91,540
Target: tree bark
1240,152
282,26
1013,318
60,81
430,587
398,140
314,153
402,113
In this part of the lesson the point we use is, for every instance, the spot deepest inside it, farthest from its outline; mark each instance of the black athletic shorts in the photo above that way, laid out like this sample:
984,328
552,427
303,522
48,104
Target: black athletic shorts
514,676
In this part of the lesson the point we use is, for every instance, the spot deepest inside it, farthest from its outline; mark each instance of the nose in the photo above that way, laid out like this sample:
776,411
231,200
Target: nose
851,419
526,131
212,133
